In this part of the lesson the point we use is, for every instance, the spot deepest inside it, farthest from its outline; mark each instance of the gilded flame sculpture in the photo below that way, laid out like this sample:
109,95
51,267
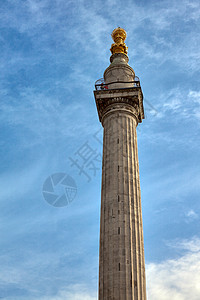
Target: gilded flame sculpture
119,36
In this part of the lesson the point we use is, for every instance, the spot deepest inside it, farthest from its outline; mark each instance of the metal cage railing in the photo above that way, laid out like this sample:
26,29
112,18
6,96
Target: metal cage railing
101,85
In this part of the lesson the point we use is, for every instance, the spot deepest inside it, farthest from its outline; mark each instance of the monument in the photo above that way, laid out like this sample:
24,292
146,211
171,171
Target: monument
119,102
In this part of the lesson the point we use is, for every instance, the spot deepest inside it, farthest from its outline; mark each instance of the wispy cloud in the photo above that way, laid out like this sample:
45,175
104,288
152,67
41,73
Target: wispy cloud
51,54
183,103
38,117
173,107
195,96
61,273
75,292
35,17
16,184
191,215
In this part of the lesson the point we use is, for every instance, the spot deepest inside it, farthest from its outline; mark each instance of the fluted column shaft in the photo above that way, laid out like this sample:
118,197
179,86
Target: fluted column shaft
121,265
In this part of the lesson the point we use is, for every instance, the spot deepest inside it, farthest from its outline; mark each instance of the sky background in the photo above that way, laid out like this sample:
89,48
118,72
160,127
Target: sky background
52,52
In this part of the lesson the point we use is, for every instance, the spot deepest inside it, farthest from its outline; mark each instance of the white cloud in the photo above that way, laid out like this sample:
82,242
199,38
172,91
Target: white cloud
185,245
176,279
173,104
195,96
191,215
173,100
192,245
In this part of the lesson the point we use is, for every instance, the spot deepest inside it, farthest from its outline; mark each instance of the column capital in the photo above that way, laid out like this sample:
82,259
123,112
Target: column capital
127,100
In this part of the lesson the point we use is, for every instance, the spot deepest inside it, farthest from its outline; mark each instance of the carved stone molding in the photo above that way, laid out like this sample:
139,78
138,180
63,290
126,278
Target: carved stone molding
113,101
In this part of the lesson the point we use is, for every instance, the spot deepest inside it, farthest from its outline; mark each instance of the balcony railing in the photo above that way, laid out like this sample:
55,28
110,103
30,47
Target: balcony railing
101,85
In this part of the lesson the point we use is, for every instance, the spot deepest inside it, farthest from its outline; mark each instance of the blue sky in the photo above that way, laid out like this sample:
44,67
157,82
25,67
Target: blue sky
52,52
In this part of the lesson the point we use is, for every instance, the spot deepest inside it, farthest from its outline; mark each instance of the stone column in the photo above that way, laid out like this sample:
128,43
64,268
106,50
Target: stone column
122,268
121,257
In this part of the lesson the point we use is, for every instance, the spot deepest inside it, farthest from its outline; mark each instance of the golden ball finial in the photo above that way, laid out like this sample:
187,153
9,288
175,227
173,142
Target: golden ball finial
119,36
